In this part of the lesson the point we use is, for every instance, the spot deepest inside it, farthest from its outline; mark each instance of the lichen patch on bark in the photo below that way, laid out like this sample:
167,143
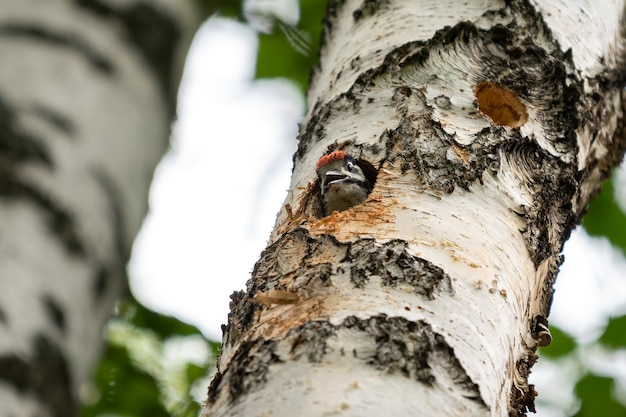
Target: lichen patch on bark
396,346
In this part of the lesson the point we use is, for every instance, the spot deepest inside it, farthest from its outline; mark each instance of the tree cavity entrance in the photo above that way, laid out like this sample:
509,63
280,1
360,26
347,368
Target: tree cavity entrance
502,105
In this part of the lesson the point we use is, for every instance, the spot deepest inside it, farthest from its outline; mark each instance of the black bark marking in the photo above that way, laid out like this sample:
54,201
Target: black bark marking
391,261
550,219
59,219
44,374
117,267
3,317
408,347
116,203
247,370
55,118
310,340
369,8
15,144
100,282
62,40
395,266
55,312
18,147
153,33
330,18
402,346
14,371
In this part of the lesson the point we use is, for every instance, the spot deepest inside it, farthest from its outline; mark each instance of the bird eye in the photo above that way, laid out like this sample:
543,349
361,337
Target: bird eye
350,166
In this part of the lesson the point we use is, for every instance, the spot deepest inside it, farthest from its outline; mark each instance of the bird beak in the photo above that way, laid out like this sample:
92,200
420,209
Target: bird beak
333,177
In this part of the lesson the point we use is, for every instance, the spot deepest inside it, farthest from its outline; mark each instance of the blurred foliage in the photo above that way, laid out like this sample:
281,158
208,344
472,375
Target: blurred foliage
596,396
291,52
285,50
163,326
225,8
614,336
596,393
124,389
146,368
605,218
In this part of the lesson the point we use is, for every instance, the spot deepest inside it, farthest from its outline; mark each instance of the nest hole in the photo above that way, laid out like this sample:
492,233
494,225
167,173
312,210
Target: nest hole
313,196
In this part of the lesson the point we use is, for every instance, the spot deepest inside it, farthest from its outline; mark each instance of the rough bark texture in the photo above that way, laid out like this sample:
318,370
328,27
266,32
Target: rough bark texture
490,129
87,92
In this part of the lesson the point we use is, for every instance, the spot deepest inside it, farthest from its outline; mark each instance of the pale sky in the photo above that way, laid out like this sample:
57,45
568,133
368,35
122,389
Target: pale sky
215,197
216,194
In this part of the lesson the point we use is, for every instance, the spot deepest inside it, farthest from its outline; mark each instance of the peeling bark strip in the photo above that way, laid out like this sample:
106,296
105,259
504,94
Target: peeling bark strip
490,130
55,312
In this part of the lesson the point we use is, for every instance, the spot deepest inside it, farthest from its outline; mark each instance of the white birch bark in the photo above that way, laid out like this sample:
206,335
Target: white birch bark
87,93
491,125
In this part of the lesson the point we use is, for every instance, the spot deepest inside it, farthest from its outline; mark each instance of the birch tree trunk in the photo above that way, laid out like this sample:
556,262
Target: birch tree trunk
491,125
87,94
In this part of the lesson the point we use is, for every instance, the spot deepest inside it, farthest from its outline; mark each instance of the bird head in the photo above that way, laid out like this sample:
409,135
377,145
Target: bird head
343,183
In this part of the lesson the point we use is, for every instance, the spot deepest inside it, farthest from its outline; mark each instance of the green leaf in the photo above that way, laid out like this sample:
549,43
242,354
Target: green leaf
562,344
194,372
614,335
162,325
292,52
605,218
226,8
595,393
124,389
187,409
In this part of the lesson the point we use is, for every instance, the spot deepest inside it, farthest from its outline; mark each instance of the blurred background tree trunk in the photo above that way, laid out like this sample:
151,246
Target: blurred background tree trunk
87,95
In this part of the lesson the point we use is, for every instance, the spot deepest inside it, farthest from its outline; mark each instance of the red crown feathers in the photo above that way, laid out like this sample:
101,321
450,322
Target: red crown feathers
327,159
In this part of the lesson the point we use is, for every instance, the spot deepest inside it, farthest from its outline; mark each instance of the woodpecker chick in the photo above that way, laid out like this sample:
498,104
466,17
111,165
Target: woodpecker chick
342,182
